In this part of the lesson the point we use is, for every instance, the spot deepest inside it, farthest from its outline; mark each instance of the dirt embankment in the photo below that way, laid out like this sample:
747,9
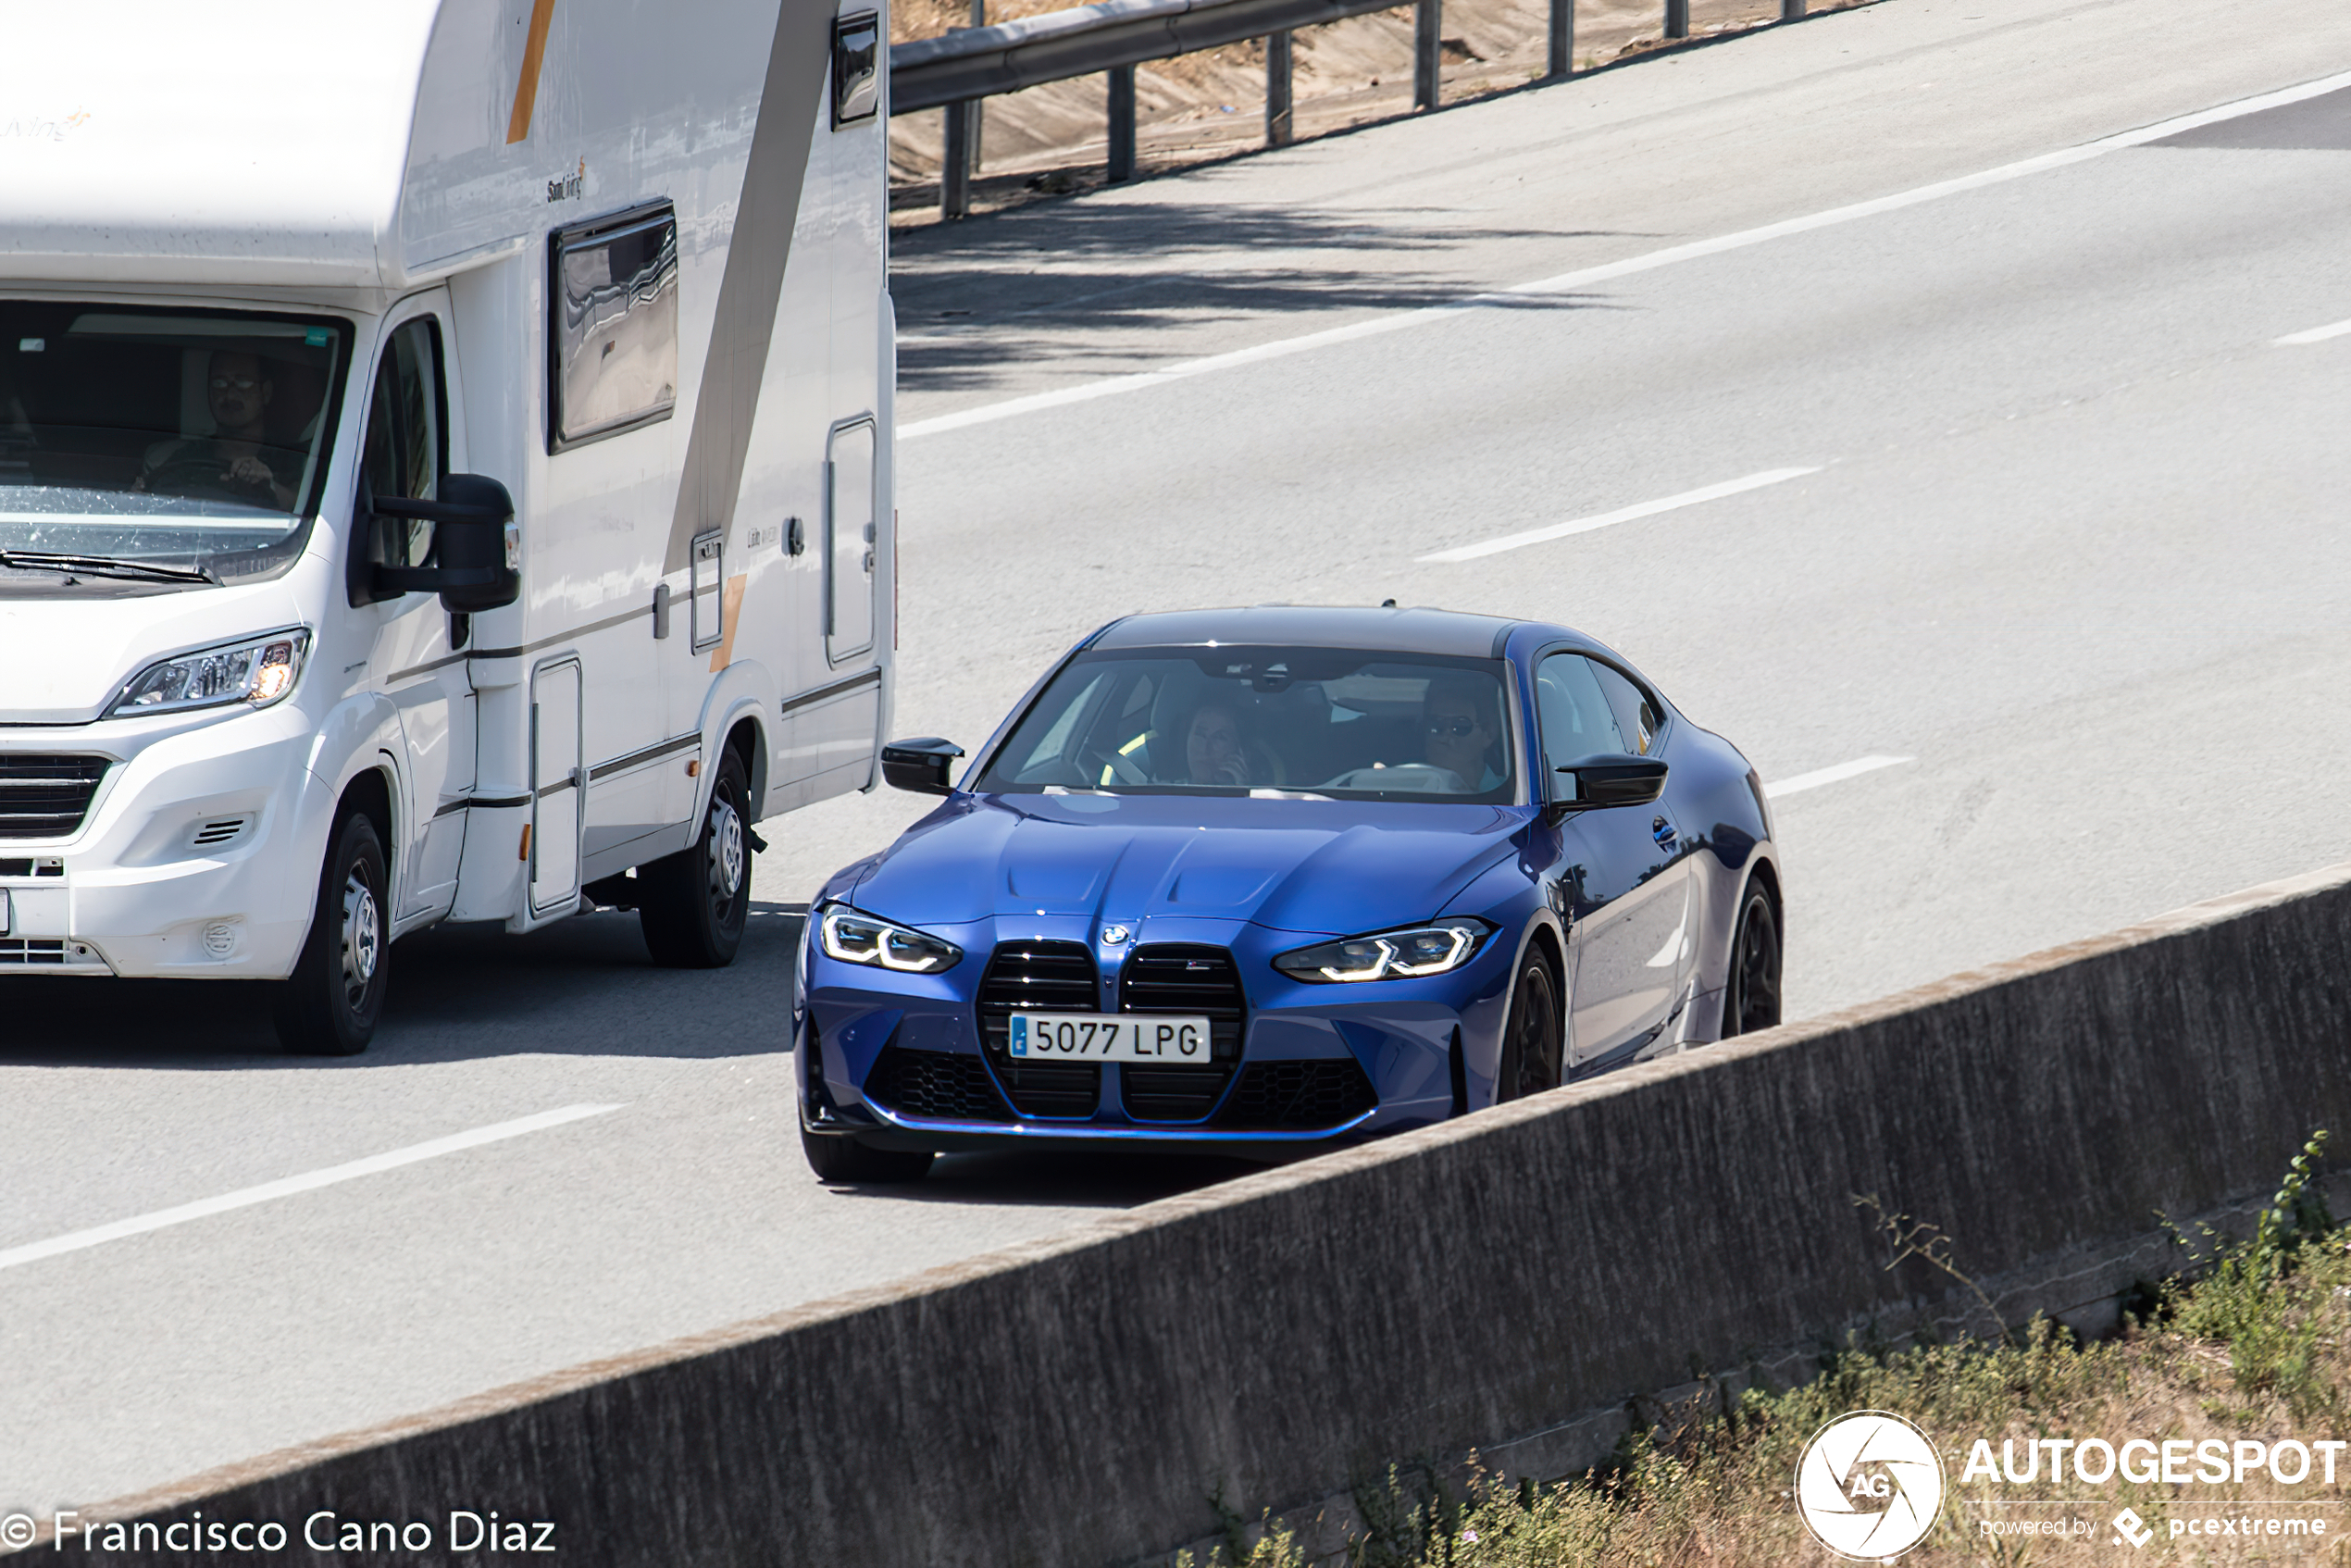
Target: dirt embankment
1207,105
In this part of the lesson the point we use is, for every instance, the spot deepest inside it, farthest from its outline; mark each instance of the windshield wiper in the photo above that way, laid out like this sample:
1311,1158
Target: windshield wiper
103,566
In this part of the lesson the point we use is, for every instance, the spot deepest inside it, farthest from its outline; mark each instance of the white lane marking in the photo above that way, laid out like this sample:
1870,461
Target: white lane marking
1837,775
204,1208
1568,283
2315,335
1623,515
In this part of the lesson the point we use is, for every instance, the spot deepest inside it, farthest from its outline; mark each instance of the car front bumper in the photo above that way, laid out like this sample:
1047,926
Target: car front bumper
1315,1064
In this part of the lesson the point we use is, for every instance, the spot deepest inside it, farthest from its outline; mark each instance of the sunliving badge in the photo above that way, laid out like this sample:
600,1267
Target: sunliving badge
568,187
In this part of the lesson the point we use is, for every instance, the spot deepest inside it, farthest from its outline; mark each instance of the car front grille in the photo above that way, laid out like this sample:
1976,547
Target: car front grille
1040,977
948,1084
1298,1096
46,797
1189,979
32,950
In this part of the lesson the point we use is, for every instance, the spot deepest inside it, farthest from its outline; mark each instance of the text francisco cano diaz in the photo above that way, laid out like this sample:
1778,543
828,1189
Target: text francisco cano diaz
462,1530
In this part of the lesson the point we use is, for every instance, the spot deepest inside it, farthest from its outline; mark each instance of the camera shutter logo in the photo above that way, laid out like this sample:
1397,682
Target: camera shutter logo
1869,1485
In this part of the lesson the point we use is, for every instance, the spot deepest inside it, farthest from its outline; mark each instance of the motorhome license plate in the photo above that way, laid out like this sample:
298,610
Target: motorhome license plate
1159,1039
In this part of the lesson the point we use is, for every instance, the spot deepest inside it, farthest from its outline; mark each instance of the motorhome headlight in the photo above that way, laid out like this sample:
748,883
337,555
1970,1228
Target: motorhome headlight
1417,951
861,939
256,672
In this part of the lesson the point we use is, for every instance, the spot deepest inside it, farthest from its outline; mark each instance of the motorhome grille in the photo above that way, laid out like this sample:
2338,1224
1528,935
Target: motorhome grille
1196,980
218,832
45,797
1040,977
948,1084
1299,1095
32,950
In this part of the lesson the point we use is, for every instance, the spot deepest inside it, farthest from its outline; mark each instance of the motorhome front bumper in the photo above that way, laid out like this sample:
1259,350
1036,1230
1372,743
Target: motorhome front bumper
173,862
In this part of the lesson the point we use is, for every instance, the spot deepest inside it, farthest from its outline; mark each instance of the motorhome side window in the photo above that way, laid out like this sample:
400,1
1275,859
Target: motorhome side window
406,449
856,80
171,445
614,335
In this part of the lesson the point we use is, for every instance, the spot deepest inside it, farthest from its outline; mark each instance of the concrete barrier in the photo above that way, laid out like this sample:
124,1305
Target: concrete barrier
1072,1402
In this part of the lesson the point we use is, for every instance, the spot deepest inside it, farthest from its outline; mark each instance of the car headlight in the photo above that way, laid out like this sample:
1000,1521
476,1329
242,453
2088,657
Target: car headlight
1409,954
860,939
256,672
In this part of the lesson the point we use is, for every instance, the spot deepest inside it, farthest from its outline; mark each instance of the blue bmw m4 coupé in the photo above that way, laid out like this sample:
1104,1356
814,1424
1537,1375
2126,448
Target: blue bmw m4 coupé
1264,880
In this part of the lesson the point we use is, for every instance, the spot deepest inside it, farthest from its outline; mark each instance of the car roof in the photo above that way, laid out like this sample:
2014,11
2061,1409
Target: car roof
1384,628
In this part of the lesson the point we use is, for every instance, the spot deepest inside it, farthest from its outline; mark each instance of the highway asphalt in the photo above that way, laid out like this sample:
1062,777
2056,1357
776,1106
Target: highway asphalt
2069,546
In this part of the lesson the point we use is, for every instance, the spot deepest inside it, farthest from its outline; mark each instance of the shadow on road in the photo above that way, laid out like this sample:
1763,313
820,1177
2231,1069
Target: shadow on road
581,987
1130,269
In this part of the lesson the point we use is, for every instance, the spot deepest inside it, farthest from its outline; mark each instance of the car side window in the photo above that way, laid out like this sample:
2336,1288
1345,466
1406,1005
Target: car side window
407,448
1638,717
1576,719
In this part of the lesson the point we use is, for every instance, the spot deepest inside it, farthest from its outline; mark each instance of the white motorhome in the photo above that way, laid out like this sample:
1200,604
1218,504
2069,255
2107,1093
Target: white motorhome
444,473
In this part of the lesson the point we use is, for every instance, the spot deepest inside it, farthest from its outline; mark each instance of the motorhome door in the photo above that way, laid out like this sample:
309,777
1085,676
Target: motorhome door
414,438
849,543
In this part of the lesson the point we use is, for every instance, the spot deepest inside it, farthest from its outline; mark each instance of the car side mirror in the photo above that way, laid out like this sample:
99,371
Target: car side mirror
476,562
920,764
1610,778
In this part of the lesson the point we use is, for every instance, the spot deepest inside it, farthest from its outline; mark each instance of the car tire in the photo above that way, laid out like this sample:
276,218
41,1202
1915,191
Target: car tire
1535,1037
692,905
331,1002
1751,989
836,1157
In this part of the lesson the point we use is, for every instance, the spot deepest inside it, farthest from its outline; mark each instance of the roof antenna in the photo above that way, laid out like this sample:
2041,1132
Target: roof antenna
1387,603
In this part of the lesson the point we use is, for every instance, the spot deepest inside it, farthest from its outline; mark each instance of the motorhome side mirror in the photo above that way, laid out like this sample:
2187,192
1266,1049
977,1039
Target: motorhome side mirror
1610,778
476,548
920,764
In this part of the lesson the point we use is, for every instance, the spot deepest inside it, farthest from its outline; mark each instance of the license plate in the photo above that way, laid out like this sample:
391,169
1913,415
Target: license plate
1156,1040
3,912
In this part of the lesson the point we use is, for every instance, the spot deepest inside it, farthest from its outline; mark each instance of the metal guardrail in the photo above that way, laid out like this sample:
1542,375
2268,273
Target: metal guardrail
957,69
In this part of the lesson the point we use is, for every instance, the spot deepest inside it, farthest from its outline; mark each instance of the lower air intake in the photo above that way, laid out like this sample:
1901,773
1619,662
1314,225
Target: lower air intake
1298,1096
942,1085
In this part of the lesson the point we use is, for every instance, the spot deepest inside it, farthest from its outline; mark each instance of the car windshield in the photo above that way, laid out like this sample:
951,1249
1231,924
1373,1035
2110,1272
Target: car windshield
1318,722
169,443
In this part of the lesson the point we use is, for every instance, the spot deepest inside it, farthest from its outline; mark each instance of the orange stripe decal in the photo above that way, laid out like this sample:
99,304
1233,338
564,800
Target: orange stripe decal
730,608
534,50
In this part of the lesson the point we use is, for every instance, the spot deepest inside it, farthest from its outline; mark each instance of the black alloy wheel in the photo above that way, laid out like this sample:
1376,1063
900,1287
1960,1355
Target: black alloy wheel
839,1157
1535,1037
692,904
330,1004
1751,996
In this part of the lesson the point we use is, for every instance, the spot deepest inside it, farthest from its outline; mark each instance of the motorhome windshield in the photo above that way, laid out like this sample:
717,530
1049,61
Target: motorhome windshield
159,444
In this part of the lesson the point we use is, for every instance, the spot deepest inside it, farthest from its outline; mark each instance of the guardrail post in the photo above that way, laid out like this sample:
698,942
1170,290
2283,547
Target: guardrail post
1560,60
1122,123
979,106
1677,18
1428,17
1791,10
955,163
1280,128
